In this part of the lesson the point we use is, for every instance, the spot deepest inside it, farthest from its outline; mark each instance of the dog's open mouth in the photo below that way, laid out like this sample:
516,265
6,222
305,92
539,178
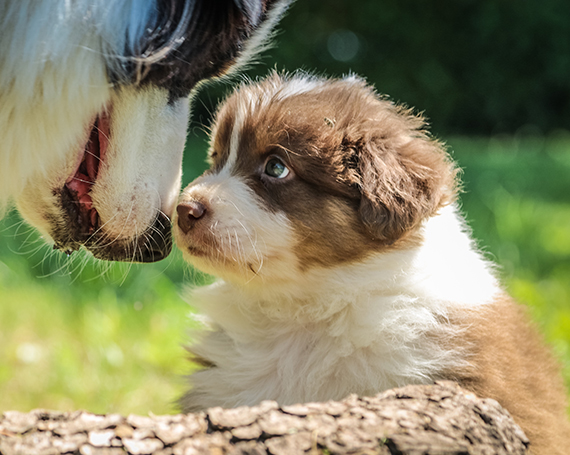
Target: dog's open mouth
82,225
78,186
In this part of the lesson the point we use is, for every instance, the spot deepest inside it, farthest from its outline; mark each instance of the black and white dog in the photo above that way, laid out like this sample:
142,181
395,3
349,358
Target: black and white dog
94,108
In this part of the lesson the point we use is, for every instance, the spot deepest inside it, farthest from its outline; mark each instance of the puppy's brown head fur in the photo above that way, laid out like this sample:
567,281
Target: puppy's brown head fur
363,173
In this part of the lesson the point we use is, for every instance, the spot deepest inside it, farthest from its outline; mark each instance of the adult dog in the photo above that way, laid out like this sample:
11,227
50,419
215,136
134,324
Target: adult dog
346,267
94,109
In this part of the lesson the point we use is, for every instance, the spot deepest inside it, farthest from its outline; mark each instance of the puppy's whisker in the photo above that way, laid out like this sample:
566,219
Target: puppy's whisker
250,266
287,150
252,241
230,246
240,248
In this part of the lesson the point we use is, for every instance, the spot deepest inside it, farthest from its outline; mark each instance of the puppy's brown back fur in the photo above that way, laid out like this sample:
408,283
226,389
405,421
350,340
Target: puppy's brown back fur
510,363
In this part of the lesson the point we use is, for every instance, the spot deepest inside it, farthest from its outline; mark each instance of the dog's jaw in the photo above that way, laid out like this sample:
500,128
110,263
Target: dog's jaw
76,193
125,206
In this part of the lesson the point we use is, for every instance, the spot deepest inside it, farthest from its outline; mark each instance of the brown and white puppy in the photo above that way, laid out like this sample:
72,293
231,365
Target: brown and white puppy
329,215
94,110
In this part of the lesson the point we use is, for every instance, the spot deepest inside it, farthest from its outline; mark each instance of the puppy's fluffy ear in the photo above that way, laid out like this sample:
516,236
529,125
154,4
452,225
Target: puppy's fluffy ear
403,175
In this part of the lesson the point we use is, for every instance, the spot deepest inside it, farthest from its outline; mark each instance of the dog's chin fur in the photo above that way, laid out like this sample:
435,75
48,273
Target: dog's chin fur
66,65
351,271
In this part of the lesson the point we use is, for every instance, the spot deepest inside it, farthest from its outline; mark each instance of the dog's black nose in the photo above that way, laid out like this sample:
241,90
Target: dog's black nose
188,213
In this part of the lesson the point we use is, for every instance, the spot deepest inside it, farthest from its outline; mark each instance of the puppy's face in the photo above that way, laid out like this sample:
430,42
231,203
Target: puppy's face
309,173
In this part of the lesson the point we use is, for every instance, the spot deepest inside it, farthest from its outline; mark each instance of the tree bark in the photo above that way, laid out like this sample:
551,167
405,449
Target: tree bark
413,420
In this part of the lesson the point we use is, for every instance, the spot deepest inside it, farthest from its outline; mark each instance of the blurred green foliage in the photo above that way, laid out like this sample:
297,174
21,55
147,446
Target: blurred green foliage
476,67
517,201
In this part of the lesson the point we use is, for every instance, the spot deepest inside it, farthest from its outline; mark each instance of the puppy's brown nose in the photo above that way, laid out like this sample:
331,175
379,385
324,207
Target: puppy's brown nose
189,212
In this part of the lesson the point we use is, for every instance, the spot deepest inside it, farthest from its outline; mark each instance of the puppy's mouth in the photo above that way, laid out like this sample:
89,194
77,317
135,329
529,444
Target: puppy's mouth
81,224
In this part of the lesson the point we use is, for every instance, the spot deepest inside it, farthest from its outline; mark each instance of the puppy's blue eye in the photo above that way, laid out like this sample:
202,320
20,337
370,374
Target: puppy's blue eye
275,168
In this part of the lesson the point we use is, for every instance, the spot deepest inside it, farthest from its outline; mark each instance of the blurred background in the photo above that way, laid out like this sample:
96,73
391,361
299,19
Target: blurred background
493,78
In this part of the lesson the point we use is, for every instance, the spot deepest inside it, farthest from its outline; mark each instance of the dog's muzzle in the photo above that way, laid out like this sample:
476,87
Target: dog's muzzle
80,224
152,245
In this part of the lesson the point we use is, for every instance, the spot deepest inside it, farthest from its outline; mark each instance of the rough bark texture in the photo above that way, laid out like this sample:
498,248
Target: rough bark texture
435,419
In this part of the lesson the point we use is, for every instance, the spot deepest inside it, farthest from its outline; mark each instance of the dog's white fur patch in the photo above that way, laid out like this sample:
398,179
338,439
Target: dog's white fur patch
136,179
53,82
50,89
143,178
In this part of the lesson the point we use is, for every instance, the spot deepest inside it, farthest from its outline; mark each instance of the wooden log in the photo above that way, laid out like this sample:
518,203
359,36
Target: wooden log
430,419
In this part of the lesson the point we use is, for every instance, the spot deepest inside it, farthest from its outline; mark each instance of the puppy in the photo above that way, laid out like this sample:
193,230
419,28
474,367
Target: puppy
94,109
329,214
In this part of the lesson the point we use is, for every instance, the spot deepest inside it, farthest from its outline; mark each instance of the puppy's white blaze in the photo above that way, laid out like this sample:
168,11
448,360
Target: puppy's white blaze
303,83
130,203
234,139
248,237
298,86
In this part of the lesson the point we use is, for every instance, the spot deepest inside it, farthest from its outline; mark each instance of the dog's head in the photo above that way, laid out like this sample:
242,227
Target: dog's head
306,173
94,96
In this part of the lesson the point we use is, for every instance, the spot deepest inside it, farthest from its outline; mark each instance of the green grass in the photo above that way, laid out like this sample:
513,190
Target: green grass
517,200
76,334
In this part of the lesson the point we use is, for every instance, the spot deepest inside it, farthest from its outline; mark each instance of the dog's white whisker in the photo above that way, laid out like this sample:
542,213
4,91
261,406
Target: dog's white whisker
82,181
97,231
129,264
118,236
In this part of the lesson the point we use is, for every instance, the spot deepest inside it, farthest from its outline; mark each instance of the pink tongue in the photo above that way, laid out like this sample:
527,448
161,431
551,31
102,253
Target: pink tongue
81,184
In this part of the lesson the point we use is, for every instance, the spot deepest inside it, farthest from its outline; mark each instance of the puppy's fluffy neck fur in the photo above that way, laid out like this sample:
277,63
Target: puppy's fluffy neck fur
379,323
